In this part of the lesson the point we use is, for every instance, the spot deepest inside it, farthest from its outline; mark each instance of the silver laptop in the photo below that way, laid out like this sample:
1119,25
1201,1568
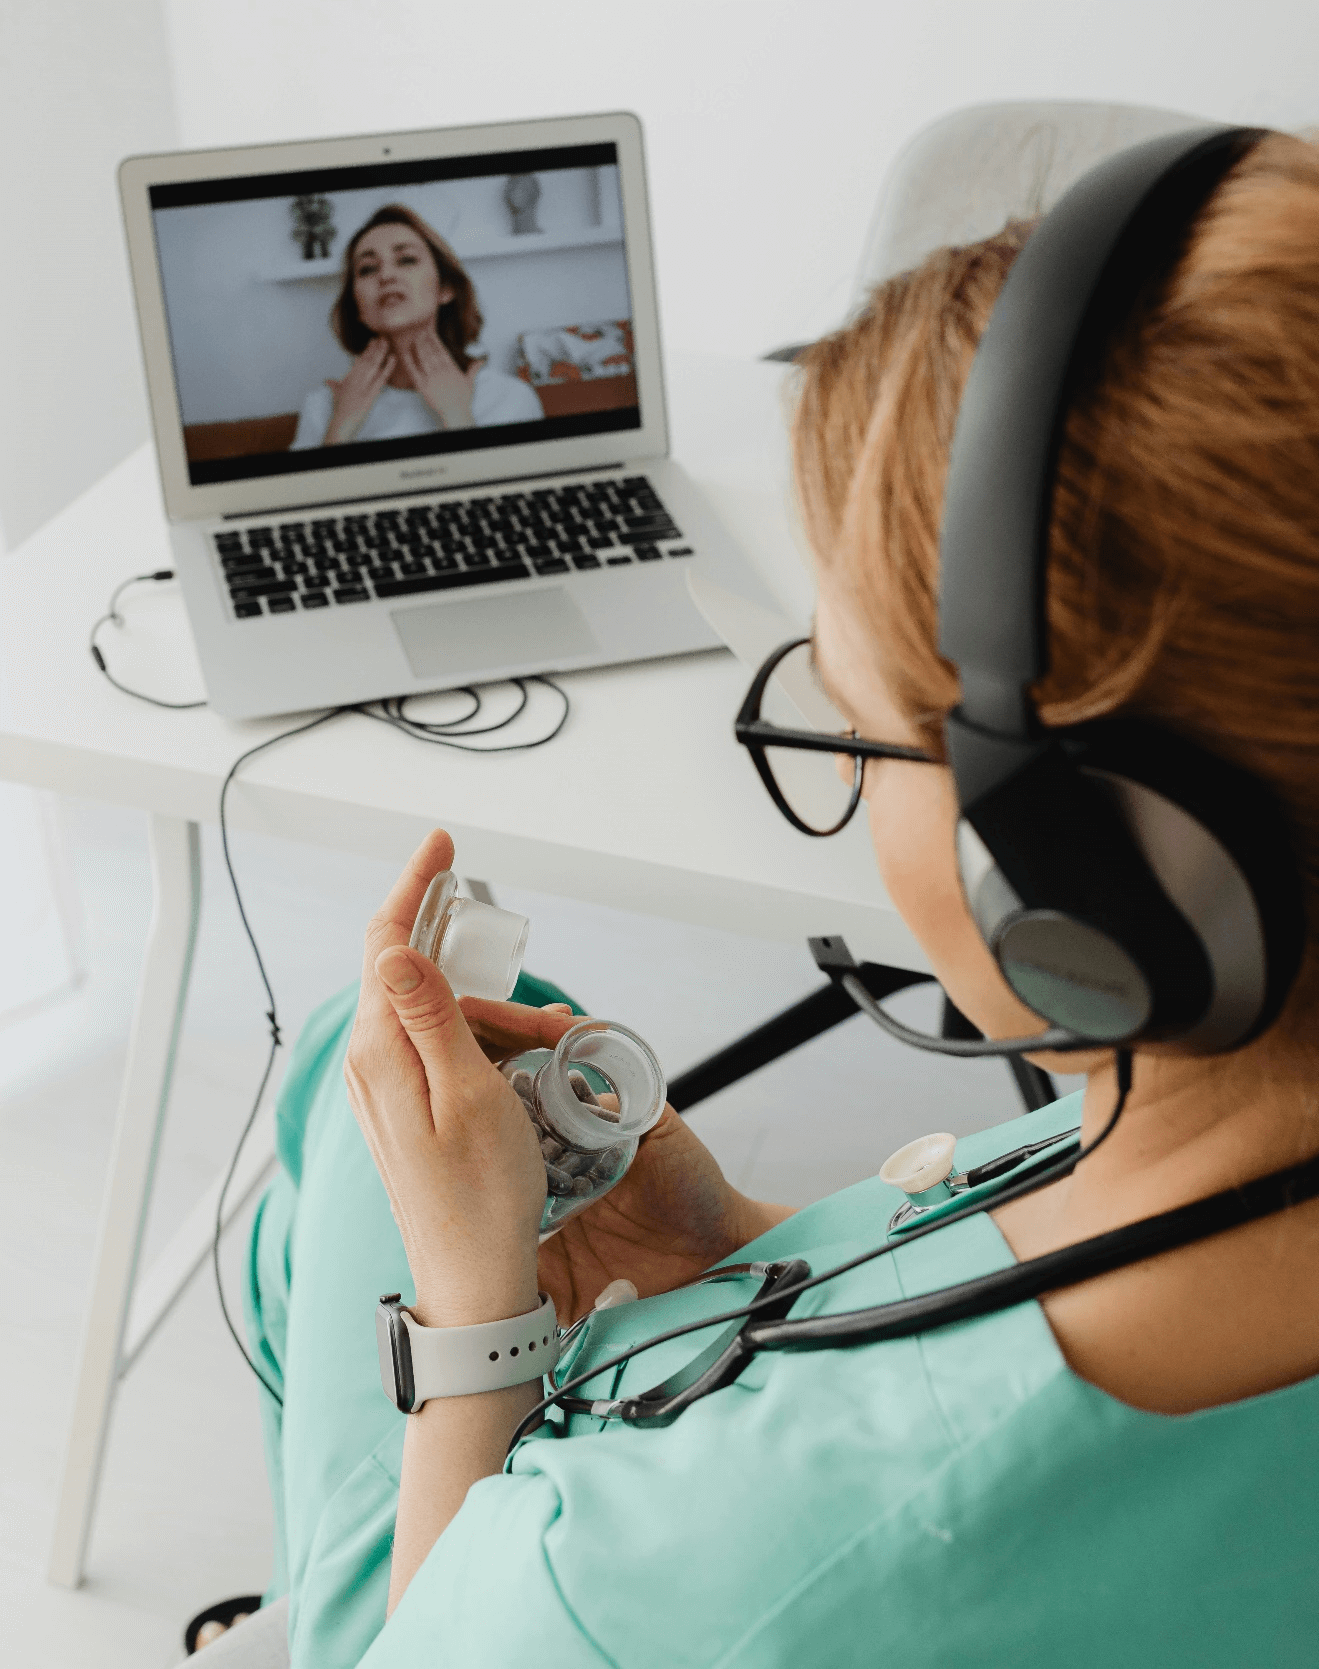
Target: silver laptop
409,411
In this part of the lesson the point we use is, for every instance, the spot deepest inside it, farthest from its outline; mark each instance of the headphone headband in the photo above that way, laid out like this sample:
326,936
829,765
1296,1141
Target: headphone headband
1121,225
1121,899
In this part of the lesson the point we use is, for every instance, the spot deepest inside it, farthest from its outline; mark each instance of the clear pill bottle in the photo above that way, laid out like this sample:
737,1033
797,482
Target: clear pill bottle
477,947
587,1144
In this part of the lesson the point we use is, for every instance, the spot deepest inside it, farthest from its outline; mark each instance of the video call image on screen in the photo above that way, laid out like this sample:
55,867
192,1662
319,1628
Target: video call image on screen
351,315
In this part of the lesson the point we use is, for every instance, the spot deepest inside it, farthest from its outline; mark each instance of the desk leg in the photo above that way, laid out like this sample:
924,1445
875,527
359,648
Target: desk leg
144,1096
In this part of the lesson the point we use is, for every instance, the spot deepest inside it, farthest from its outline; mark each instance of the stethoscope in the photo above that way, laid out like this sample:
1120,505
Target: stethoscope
937,1202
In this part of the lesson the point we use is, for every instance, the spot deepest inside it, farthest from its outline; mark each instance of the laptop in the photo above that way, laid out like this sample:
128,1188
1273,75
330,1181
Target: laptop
408,406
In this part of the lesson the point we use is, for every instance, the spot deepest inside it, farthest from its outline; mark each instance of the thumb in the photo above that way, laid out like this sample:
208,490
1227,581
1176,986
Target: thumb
427,1009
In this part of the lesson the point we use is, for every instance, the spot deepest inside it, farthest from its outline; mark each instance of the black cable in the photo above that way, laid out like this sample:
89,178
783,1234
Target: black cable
272,1018
1040,1175
420,731
393,711
113,616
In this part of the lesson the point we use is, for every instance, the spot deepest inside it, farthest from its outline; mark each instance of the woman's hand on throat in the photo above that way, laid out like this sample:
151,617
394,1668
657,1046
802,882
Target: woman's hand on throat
355,393
433,372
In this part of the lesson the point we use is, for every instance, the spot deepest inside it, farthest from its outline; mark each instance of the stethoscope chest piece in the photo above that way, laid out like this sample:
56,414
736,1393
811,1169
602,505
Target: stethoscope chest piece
923,1170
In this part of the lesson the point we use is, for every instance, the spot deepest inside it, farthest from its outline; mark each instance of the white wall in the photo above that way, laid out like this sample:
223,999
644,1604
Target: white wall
82,84
250,342
769,122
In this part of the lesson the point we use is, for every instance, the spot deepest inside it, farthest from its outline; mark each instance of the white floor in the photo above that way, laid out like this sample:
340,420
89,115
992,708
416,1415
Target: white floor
183,1516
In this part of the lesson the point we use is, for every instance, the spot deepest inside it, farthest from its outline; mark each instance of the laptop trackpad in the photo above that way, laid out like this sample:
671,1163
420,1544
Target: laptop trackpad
480,634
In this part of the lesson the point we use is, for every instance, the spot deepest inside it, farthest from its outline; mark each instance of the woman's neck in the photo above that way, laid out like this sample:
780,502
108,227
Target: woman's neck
1222,1319
400,341
1191,1127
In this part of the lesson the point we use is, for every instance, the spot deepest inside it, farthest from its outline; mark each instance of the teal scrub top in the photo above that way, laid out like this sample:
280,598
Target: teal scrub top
957,1498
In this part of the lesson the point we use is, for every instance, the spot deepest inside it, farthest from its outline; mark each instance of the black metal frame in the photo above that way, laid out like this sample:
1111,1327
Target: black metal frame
817,1013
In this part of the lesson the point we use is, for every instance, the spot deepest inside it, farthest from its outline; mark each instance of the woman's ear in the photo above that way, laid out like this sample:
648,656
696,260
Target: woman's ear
447,293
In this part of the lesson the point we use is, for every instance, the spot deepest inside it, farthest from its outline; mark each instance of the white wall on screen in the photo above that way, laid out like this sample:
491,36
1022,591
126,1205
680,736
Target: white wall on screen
249,345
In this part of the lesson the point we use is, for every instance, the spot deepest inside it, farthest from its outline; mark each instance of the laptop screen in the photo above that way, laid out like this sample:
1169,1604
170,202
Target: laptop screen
350,315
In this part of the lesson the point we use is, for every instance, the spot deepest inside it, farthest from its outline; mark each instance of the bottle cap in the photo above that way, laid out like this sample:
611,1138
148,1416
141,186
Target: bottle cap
921,1166
477,947
630,1071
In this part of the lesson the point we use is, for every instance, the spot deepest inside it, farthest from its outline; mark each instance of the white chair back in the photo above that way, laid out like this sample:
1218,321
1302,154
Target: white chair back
967,174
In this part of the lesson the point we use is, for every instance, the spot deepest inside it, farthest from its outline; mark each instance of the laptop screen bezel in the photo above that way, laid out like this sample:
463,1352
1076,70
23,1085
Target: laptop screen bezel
185,501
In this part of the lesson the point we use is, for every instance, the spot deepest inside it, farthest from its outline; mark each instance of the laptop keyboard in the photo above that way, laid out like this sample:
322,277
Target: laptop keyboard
333,561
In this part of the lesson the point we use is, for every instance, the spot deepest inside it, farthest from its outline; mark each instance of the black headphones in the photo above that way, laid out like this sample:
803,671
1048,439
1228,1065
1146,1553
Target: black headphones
1131,887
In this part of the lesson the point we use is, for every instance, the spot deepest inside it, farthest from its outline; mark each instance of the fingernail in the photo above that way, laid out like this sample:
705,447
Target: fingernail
395,971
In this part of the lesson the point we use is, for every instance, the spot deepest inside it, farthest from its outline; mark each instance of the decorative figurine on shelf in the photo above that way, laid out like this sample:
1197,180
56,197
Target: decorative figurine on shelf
522,193
313,225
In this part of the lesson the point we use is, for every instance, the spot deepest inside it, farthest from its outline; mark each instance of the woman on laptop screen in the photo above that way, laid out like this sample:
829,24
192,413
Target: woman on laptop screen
408,313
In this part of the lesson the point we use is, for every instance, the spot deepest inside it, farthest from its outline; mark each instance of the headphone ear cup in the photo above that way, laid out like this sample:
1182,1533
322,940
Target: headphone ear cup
1067,971
1220,847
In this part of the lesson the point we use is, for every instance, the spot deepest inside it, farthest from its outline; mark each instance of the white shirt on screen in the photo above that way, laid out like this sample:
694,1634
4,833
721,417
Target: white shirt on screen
399,412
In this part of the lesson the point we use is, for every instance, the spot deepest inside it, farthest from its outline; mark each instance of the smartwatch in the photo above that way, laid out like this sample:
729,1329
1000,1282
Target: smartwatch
418,1363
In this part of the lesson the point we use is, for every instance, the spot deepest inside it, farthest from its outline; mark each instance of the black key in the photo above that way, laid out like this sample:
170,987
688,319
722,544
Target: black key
681,550
478,559
228,543
359,560
282,605
557,566
264,588
647,553
253,565
315,599
352,594
538,552
441,563
656,526
414,567
445,582
600,542
633,481
507,555
620,561
245,611
586,562
379,576
297,566
325,525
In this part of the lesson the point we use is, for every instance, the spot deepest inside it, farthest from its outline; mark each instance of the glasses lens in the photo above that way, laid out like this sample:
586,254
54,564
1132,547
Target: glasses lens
817,786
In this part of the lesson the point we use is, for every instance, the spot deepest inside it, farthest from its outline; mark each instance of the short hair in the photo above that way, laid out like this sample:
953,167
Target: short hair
1183,568
457,322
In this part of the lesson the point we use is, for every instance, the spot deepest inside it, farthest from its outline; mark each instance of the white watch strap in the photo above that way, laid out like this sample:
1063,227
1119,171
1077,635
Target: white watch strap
460,1361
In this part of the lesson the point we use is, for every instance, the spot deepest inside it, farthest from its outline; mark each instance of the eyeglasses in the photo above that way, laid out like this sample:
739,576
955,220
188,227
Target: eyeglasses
797,766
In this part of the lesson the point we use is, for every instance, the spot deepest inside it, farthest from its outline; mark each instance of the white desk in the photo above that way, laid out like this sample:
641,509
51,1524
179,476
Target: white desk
680,825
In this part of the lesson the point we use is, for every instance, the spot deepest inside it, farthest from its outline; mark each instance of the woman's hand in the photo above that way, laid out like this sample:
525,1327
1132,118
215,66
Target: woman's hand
356,392
671,1217
453,1144
673,1214
436,377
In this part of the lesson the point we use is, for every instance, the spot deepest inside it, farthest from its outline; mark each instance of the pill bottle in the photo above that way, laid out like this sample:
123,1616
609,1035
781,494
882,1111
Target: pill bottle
477,947
587,1145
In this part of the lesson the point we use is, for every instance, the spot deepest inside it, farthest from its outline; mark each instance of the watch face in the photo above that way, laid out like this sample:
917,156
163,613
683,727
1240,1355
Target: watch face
395,1356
